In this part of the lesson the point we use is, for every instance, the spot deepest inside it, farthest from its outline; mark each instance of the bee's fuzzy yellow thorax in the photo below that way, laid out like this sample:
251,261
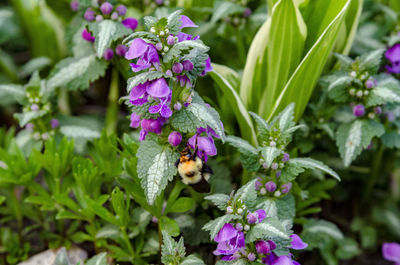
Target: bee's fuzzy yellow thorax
190,171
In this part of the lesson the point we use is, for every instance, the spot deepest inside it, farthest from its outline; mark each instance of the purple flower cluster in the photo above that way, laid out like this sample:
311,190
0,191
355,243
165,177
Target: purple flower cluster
391,252
232,246
393,57
158,93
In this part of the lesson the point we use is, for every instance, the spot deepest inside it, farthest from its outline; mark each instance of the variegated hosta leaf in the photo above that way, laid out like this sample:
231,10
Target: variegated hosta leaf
207,114
105,33
352,138
383,94
314,164
269,154
270,227
215,225
155,167
77,73
220,200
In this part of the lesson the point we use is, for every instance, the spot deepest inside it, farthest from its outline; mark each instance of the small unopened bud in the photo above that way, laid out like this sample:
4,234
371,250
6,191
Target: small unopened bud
177,68
89,14
74,5
159,46
239,226
272,143
359,93
166,49
229,209
240,211
257,184
366,92
371,115
108,54
370,83
277,193
121,9
286,187
152,30
114,16
170,40
251,256
353,74
168,73
251,218
45,136
162,33
352,91
246,227
270,186
265,165
278,173
154,219
54,123
30,126
34,107
274,166
177,106
106,8
187,65
175,138
247,12
359,110
378,110
99,18
286,157
263,191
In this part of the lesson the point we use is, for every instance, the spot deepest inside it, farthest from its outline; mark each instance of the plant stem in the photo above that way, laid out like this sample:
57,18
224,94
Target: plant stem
376,165
112,109
240,46
128,242
63,101
17,210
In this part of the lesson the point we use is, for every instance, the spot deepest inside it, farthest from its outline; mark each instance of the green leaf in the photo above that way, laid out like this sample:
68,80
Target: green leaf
262,126
108,231
99,259
315,232
156,166
169,225
391,140
308,71
120,207
285,48
207,114
181,205
313,164
248,153
192,260
269,154
15,93
62,257
174,22
185,121
36,64
220,200
348,248
26,117
228,81
270,227
371,61
182,48
105,33
146,36
241,261
337,89
2,199
286,118
143,78
225,9
102,212
383,94
77,73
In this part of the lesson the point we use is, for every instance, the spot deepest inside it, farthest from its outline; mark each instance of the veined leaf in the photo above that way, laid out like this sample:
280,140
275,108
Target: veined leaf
220,200
301,84
248,153
16,93
383,94
247,194
192,260
269,154
99,259
285,48
270,227
215,225
314,164
228,81
26,117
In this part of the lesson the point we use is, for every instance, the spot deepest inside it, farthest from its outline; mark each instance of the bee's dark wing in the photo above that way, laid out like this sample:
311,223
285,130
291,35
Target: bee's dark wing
202,186
207,169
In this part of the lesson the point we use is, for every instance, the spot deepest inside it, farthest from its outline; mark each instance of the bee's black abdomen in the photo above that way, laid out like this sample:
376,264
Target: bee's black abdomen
203,186
177,162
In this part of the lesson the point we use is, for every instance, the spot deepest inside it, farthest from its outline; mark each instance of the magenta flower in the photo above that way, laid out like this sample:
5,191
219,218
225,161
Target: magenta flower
74,5
261,215
175,138
187,65
184,81
157,89
86,35
286,157
247,12
130,23
150,125
359,110
393,56
286,187
108,54
265,247
270,186
170,40
135,120
205,144
54,123
177,68
187,23
391,252
146,54
230,242
121,9
208,67
297,243
106,8
89,14
120,50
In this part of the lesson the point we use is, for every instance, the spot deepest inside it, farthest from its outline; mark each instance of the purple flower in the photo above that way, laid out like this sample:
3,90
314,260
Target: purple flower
187,65
286,157
159,2
114,16
205,144
135,120
265,247
30,126
251,256
230,241
120,50
247,12
297,243
34,107
393,56
286,187
177,68
359,110
187,23
273,259
108,54
390,115
258,184
54,123
89,14
130,23
261,215
391,252
106,8
74,5
184,36
270,186
370,83
157,89
150,125
99,18
274,166
86,35
170,40
121,9
184,81
251,218
145,52
378,110
208,67
175,138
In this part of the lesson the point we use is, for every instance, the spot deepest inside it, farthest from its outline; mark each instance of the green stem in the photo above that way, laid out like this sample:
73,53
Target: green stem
112,109
128,242
240,46
63,101
17,210
375,171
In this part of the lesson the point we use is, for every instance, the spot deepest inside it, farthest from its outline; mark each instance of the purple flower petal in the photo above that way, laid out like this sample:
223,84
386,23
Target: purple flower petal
130,23
155,109
137,91
187,23
391,252
142,135
297,243
86,35
137,49
165,111
158,88
263,247
283,260
206,144
226,233
261,215
135,120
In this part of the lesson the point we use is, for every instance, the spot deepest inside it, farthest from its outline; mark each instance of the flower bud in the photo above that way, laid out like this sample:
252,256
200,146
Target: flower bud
34,107
378,110
108,54
121,9
170,40
265,165
272,144
175,138
166,48
247,12
177,68
251,256
263,191
366,92
370,83
99,18
278,173
154,219
246,227
352,91
30,126
239,226
286,157
240,211
251,218
229,209
89,14
274,166
151,125
120,50
169,73
159,2
54,123
353,74
45,136
158,46
130,23
257,184
162,33
86,35
359,93
74,5
277,193
135,120
36,136
270,186
359,110
286,187
106,8
371,115
390,115
187,65
114,16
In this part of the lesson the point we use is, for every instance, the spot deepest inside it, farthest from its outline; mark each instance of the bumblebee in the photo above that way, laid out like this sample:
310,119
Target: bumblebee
194,171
